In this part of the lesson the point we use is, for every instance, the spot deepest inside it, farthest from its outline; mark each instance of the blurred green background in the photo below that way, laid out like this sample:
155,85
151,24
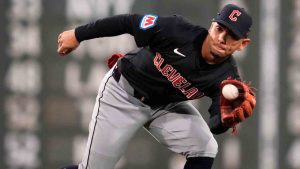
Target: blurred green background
46,100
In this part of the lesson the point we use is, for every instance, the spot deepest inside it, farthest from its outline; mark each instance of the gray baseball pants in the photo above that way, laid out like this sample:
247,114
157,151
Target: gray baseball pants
118,115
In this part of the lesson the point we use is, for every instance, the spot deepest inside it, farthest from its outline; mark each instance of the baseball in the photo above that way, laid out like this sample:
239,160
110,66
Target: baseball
230,92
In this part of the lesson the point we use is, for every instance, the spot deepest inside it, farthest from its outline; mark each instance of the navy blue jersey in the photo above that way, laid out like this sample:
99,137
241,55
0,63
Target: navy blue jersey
169,66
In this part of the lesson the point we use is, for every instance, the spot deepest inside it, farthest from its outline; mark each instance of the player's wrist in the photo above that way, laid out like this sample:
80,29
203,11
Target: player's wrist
216,126
79,35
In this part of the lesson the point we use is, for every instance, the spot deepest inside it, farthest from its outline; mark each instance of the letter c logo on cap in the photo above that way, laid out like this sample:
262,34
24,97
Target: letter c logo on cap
234,14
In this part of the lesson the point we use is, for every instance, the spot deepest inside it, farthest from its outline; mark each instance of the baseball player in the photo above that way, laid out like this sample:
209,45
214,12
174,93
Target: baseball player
150,87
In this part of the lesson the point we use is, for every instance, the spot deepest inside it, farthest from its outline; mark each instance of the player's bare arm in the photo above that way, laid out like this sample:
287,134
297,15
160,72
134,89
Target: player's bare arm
67,42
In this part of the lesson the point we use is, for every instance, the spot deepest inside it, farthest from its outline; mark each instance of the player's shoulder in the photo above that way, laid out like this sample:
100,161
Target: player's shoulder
147,21
181,18
178,19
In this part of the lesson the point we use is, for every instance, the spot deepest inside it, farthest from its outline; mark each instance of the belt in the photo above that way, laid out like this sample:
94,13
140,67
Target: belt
116,74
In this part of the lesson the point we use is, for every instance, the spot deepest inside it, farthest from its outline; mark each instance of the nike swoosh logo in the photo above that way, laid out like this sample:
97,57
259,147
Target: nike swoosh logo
177,52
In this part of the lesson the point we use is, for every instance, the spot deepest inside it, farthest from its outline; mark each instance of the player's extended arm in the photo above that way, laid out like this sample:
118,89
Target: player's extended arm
111,26
215,123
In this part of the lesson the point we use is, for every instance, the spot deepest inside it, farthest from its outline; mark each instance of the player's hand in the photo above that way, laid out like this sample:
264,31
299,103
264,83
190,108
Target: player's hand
67,42
236,111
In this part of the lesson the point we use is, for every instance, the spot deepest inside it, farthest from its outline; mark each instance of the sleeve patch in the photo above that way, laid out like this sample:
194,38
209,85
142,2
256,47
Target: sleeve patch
148,21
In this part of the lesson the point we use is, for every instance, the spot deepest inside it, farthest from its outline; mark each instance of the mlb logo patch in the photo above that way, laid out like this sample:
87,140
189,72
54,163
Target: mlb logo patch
148,21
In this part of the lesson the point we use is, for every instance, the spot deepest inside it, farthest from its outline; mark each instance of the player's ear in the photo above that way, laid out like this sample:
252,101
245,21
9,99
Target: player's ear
244,43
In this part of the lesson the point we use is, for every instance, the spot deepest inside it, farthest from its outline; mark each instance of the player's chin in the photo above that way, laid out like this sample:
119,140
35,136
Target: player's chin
219,53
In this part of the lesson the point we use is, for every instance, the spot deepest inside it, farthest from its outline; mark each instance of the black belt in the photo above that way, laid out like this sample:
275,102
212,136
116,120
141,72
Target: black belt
117,75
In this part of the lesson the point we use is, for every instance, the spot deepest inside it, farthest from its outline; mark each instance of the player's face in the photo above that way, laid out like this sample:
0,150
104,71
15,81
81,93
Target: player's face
222,42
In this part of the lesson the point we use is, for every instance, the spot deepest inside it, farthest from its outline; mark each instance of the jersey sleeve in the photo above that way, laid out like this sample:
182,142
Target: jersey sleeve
215,123
142,27
106,27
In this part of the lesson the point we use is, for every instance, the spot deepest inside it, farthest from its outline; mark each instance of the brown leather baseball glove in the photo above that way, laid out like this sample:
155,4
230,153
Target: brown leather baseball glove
237,110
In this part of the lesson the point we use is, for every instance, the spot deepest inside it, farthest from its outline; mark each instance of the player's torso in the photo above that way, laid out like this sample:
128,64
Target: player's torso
166,79
172,68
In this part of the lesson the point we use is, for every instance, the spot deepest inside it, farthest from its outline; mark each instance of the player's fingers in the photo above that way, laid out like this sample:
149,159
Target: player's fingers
59,38
61,50
64,51
59,44
67,51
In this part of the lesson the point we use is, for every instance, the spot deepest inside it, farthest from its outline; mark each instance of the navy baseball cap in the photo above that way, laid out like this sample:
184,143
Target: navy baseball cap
235,19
